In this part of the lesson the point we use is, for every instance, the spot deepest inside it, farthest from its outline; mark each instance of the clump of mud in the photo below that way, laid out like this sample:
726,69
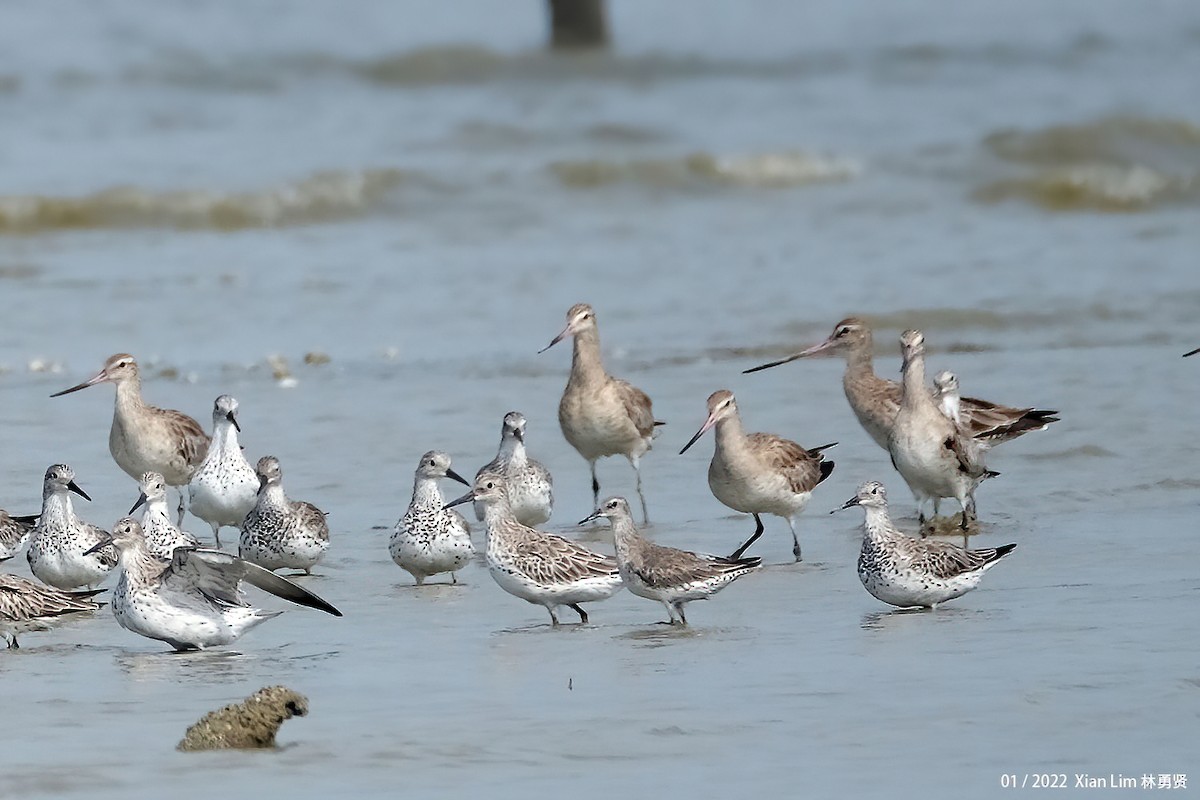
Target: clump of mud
251,723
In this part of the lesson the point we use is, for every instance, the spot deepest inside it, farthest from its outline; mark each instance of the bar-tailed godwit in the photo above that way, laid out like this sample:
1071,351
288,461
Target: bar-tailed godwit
601,415
875,401
144,438
932,453
759,473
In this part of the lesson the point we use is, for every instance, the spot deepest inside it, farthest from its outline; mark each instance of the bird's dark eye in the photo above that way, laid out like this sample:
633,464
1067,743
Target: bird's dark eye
490,485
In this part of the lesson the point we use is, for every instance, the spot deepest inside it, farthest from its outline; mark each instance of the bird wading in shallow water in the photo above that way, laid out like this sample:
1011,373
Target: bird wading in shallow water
193,600
601,415
279,533
144,438
530,486
670,576
62,550
225,486
540,568
931,452
875,401
904,571
430,539
759,473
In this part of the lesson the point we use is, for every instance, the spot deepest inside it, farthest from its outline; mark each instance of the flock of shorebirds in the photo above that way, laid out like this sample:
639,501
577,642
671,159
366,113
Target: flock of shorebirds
174,589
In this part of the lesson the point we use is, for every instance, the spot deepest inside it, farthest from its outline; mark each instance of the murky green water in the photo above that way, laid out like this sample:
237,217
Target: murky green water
420,194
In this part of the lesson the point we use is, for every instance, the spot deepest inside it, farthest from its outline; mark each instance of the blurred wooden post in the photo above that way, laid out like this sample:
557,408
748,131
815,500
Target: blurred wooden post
577,24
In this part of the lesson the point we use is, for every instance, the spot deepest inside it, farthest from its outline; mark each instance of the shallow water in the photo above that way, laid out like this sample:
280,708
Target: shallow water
422,202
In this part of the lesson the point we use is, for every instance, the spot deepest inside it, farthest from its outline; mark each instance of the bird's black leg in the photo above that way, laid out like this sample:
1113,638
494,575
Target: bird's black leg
758,531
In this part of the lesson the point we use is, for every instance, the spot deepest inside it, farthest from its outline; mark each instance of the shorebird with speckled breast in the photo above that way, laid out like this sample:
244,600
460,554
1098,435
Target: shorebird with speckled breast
62,550
759,473
225,486
14,533
430,539
279,533
601,415
530,486
876,401
540,568
29,606
194,599
144,438
905,571
670,576
162,536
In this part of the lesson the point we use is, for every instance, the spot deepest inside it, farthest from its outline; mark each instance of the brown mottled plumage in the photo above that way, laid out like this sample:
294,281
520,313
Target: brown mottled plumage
601,415
541,568
672,577
145,438
876,401
931,452
759,473
28,606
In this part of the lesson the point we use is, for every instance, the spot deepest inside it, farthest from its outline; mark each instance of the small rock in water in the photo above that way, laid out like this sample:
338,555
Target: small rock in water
316,358
279,367
251,723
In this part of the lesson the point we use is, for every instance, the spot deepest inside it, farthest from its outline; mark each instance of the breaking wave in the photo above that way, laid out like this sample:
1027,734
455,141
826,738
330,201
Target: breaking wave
322,197
766,170
1113,164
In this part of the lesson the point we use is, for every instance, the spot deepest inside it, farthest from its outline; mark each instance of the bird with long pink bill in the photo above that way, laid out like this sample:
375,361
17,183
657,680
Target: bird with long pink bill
601,415
144,438
875,401
759,473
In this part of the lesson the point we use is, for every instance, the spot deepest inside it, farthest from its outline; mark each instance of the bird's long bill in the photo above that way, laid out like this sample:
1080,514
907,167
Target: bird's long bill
466,498
141,499
708,423
74,487
812,351
233,419
454,476
1191,352
562,335
105,542
99,377
851,503
592,517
